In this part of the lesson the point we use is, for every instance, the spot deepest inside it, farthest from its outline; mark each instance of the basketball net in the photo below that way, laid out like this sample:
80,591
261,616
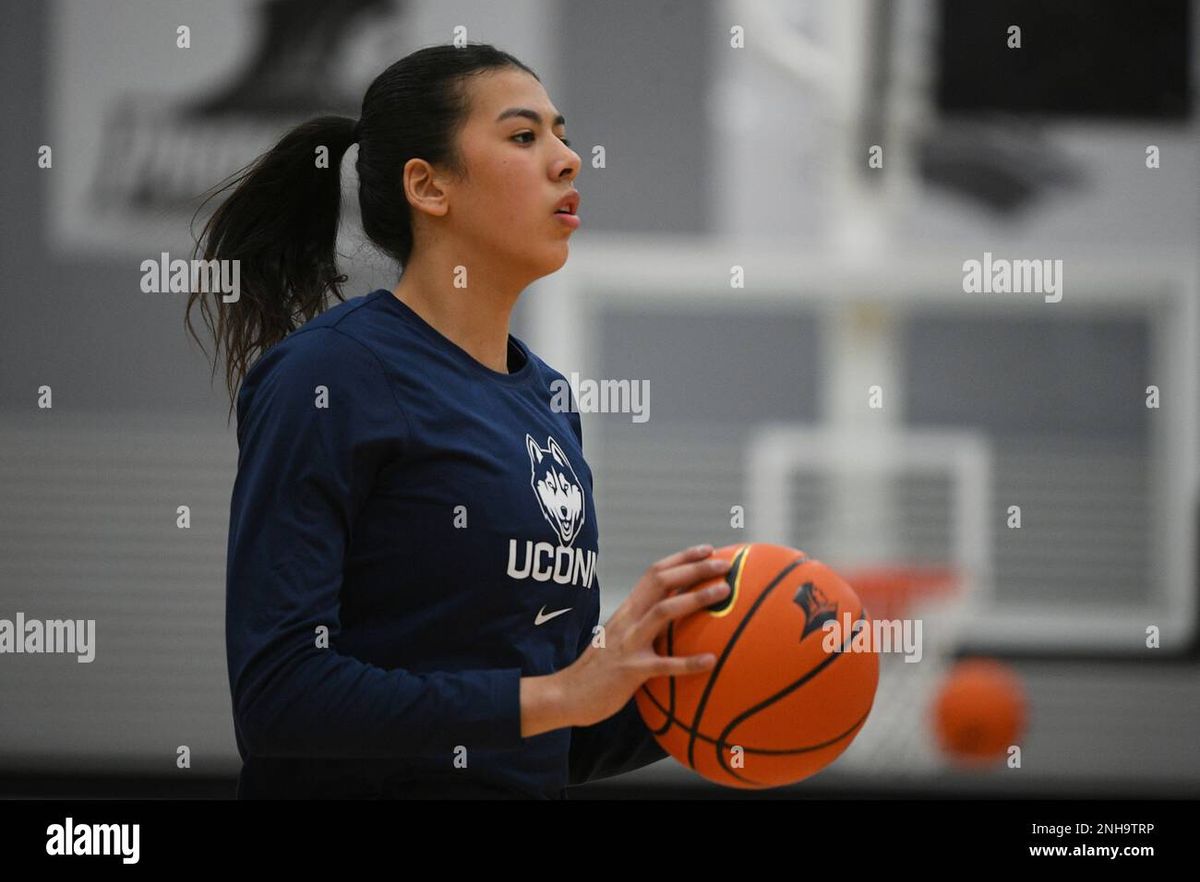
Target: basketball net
898,738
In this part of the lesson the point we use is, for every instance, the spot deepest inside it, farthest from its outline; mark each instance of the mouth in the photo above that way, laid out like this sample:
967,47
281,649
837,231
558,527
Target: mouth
569,204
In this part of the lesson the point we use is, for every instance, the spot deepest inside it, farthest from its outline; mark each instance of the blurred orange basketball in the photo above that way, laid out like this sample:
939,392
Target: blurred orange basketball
792,684
979,711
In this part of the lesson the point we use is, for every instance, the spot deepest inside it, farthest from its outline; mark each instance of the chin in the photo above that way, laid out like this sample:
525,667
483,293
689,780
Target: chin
553,262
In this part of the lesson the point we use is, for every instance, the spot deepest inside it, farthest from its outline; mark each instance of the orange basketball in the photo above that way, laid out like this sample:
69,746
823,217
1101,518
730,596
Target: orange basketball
979,711
789,690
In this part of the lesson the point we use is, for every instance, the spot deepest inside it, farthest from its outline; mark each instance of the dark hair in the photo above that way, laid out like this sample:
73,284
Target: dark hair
281,220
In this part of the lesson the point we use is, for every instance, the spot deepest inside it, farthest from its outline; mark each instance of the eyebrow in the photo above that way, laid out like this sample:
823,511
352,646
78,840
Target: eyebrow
559,120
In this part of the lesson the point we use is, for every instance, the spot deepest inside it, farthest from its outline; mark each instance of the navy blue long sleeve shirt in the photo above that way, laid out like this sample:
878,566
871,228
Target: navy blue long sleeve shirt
410,533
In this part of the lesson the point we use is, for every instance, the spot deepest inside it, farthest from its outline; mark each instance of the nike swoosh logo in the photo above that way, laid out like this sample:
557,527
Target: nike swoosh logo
542,618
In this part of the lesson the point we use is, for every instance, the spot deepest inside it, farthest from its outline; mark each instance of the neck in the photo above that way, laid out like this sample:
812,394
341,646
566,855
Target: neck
475,318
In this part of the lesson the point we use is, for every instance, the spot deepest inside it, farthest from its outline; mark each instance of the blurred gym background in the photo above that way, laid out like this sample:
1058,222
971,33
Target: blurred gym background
1080,146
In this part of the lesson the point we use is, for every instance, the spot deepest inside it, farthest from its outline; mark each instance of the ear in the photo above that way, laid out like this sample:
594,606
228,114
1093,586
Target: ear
423,188
555,450
535,454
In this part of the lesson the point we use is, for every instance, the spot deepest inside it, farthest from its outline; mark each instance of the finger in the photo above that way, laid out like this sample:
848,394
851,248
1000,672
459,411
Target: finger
685,575
669,666
675,607
658,584
696,552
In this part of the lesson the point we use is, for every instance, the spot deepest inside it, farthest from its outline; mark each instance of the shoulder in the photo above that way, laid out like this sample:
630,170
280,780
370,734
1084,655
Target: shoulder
332,342
314,361
315,352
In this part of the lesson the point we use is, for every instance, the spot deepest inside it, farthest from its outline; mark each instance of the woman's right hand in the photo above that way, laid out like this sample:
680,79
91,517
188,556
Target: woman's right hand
604,678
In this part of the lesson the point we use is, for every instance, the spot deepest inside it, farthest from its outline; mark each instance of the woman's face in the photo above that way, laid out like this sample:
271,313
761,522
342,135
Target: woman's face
518,170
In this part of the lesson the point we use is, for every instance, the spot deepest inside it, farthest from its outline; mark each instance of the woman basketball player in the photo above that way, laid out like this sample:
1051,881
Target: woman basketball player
412,596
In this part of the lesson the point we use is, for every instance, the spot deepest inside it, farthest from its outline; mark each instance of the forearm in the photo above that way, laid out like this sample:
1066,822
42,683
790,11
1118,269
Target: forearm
330,705
545,705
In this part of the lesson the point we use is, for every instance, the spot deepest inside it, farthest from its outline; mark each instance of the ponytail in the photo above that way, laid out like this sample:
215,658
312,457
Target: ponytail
281,224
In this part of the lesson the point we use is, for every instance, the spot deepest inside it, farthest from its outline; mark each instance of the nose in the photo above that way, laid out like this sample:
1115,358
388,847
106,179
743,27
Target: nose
567,166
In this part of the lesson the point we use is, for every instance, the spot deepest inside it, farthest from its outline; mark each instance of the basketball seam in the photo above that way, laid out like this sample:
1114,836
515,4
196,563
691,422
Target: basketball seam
675,721
742,625
767,702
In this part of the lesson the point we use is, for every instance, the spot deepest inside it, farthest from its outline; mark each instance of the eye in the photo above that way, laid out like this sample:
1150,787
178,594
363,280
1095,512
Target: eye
531,134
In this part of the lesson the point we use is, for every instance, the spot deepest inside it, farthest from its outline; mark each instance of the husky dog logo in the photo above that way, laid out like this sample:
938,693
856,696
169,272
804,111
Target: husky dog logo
556,487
